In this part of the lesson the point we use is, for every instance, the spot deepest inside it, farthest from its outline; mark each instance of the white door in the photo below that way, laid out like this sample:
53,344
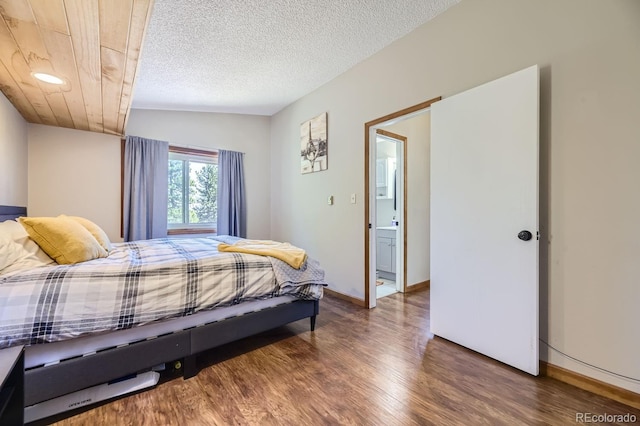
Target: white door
484,192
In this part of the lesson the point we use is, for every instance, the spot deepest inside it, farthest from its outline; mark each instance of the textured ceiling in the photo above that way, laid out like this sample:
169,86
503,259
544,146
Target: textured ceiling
257,56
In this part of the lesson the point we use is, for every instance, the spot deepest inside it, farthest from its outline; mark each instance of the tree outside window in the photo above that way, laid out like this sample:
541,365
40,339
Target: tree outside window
193,184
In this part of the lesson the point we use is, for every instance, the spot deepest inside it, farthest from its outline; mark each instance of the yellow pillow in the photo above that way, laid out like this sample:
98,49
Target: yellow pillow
63,239
95,230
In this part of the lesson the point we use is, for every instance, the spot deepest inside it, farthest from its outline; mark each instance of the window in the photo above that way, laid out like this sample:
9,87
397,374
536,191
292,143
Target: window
193,185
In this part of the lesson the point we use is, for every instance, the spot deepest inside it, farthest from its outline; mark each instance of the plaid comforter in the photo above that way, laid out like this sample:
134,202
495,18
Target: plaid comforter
140,282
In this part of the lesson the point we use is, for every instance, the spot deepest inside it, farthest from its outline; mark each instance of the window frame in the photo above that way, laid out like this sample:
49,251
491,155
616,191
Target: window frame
193,228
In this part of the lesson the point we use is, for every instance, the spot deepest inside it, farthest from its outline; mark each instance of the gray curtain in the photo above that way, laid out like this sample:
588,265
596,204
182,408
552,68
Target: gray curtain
232,211
146,164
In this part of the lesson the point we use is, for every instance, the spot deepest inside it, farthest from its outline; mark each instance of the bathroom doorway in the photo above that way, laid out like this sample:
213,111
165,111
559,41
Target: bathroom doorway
390,197
413,123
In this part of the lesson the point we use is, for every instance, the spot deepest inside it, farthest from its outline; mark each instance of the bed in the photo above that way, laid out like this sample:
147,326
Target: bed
120,337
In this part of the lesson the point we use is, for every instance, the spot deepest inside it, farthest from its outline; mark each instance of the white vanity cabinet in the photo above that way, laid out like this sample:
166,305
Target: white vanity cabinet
386,250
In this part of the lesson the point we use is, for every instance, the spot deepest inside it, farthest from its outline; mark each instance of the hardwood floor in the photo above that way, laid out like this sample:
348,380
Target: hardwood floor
360,367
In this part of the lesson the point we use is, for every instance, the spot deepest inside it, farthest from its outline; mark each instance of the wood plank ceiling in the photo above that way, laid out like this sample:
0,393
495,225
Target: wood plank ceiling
93,45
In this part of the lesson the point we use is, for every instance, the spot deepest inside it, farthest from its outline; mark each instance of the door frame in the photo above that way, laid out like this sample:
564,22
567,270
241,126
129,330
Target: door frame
402,201
369,302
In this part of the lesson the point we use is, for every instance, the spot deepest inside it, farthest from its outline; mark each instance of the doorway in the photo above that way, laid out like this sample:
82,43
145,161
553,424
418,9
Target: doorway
406,255
390,154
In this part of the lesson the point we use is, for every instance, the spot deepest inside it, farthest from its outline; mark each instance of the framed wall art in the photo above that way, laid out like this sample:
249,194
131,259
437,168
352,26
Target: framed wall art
313,144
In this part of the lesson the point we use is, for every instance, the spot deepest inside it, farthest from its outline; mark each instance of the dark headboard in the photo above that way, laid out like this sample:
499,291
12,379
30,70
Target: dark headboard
11,212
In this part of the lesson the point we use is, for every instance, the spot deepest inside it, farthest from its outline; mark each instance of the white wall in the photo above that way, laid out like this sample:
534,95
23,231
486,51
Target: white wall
75,172
417,130
243,133
588,54
13,155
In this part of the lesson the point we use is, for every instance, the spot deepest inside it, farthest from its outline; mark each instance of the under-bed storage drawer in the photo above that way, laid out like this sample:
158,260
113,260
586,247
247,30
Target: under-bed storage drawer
43,383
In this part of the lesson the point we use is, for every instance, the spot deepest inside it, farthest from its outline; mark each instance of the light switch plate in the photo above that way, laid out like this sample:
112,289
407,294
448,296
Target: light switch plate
330,200
353,198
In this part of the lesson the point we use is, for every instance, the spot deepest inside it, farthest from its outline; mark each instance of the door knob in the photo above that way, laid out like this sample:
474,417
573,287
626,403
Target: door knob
525,235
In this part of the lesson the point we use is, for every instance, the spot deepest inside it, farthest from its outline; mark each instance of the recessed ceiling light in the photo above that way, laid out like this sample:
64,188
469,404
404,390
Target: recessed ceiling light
48,78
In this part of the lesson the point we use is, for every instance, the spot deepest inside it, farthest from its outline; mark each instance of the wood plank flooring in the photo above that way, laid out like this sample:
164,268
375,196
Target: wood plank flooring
360,367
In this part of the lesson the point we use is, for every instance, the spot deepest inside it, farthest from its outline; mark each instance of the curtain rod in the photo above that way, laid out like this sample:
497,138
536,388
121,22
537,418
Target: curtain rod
204,148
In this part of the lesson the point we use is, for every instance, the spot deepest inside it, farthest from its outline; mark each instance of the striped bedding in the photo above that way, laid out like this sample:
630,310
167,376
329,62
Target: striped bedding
140,282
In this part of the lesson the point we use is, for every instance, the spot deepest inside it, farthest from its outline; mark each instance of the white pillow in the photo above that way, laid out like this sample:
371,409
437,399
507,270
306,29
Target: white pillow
24,253
10,252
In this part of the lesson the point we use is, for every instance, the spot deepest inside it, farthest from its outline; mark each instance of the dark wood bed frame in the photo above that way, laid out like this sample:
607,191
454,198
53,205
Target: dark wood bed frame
43,383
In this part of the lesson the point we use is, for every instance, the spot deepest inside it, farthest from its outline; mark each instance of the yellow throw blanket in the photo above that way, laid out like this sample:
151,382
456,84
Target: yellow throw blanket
292,255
